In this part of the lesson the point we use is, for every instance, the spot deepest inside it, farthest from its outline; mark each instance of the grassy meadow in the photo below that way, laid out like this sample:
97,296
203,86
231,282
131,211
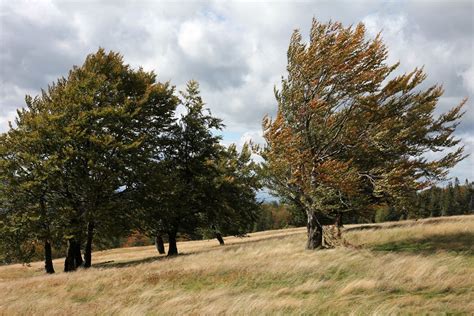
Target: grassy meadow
409,267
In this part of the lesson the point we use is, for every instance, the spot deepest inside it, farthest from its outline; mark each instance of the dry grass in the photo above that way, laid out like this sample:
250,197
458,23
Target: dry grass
413,268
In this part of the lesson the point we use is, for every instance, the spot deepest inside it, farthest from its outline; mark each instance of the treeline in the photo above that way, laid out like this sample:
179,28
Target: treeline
109,150
452,199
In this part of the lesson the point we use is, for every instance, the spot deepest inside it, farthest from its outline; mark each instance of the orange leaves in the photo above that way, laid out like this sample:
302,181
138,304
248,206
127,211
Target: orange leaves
339,175
347,134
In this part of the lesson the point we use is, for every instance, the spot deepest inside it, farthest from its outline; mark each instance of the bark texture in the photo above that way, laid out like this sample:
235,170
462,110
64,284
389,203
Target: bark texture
315,232
73,258
220,239
70,262
160,246
77,254
172,248
88,250
48,258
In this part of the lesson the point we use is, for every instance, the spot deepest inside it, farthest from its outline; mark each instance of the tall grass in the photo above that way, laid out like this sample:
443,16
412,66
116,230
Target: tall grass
414,268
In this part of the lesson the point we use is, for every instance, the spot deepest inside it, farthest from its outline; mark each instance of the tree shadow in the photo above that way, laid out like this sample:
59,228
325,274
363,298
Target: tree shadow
459,243
123,264
405,223
372,227
227,247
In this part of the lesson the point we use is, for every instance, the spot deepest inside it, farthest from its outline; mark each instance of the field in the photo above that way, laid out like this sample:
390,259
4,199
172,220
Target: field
410,267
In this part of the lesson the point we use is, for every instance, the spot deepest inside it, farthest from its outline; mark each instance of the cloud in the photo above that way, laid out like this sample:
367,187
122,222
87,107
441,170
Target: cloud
236,50
215,50
468,79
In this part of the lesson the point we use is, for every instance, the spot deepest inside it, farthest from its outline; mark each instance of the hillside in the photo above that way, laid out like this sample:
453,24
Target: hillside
400,267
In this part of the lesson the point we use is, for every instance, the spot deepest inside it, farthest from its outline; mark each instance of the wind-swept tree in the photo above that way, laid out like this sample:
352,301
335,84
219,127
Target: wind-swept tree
347,135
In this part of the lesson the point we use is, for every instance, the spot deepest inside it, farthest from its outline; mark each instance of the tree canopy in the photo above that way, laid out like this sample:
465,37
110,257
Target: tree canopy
102,152
348,135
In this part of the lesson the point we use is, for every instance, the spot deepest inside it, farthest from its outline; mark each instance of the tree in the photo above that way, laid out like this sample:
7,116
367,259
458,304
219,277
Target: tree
30,208
88,132
113,116
347,135
195,185
434,204
172,192
231,206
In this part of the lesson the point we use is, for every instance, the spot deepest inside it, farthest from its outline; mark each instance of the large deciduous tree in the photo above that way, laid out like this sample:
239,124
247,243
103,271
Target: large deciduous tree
113,116
348,135
76,147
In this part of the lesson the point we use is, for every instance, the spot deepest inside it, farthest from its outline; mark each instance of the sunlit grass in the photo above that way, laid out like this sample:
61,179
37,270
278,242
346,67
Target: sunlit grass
416,267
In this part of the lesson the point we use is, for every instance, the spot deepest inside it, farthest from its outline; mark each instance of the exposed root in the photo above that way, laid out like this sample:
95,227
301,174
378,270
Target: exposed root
332,238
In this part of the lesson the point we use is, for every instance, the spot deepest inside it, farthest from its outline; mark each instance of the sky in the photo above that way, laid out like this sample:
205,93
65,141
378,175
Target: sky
235,49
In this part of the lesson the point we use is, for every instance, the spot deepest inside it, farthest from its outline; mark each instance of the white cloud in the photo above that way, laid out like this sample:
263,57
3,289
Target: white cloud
468,79
254,137
5,119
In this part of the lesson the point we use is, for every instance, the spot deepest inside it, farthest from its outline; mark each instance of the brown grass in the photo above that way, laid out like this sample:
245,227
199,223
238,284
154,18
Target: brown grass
413,268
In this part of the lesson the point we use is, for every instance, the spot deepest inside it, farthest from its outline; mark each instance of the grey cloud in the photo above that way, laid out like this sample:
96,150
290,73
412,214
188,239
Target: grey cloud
239,52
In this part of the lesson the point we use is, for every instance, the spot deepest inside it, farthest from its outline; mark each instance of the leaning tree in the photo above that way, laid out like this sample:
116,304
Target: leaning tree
349,135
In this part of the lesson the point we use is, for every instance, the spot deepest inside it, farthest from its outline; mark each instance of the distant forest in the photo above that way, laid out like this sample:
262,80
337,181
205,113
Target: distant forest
453,199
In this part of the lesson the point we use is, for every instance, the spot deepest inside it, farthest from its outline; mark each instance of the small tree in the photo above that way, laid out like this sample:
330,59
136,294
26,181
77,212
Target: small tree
171,189
231,206
347,136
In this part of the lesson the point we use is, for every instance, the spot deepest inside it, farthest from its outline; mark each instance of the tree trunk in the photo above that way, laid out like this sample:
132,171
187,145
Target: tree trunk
172,247
338,224
88,250
160,246
69,262
315,232
220,239
77,255
48,258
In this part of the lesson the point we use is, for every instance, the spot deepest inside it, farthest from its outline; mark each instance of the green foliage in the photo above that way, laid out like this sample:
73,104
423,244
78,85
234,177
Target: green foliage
277,216
444,201
234,207
28,211
196,186
76,145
